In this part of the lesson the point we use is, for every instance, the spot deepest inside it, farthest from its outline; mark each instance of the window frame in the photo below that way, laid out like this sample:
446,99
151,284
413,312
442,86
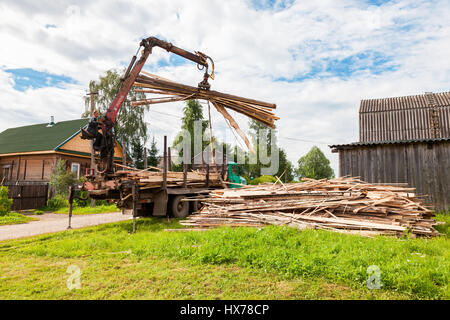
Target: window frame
78,168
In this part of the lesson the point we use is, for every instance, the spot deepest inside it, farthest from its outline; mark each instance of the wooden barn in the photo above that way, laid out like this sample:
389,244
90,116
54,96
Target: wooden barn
403,139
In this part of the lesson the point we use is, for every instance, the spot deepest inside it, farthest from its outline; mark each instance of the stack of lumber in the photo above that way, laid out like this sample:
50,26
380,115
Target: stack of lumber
152,179
258,110
342,204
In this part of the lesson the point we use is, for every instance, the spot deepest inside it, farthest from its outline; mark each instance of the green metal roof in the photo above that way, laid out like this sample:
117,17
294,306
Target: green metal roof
39,137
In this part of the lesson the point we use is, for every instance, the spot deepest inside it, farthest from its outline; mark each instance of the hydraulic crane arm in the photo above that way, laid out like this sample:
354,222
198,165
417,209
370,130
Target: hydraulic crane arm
135,68
127,81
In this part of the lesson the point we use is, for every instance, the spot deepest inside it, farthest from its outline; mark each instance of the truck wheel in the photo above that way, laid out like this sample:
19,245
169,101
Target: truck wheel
195,206
180,209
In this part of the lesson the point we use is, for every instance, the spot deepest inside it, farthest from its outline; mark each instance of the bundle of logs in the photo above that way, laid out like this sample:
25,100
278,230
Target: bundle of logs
258,110
342,204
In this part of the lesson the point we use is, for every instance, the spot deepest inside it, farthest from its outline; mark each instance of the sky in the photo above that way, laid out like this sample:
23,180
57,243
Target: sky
315,59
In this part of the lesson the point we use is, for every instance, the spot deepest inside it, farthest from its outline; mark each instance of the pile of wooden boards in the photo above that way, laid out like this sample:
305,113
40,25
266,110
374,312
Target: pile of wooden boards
258,110
152,179
342,204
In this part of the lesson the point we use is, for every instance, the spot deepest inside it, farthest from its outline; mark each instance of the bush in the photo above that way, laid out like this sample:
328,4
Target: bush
263,179
5,202
62,178
56,203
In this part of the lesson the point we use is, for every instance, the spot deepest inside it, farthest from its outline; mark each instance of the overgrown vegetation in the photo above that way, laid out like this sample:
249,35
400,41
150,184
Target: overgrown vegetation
14,218
262,180
410,268
5,202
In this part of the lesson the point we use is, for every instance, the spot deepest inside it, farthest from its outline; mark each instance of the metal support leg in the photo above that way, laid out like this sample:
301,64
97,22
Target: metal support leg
71,192
135,202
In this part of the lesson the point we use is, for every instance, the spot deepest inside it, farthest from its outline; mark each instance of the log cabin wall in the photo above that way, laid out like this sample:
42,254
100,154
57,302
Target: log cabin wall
27,167
423,165
37,167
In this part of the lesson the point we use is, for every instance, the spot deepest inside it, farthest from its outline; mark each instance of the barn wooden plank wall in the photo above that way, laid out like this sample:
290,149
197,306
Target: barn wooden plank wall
404,118
425,166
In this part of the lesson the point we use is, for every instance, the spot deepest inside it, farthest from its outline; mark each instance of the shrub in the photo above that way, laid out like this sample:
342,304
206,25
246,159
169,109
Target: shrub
263,179
57,202
5,202
62,178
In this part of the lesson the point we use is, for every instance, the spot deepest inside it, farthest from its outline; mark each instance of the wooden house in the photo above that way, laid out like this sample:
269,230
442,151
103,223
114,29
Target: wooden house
29,153
403,140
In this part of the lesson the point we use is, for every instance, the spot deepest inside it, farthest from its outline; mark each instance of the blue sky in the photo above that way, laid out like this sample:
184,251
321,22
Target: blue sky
28,78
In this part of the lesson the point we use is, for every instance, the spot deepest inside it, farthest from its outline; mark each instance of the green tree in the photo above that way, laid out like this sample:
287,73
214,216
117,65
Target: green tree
285,167
137,154
192,112
130,125
61,178
152,158
5,202
259,138
314,165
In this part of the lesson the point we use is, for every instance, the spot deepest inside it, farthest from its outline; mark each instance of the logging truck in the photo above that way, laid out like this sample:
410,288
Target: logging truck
164,192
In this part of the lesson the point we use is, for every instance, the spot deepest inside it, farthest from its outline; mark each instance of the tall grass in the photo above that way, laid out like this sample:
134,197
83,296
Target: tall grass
418,268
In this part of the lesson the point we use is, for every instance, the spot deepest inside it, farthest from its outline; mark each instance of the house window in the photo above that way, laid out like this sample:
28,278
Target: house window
6,172
76,169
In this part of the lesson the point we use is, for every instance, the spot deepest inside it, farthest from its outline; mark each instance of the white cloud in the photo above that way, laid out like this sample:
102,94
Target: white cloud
251,49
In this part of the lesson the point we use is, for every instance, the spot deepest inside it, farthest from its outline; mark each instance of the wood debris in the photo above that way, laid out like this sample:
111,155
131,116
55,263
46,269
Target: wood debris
341,204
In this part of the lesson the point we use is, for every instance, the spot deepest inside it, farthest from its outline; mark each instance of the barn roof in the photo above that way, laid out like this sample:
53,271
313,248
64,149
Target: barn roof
425,116
359,144
39,137
403,103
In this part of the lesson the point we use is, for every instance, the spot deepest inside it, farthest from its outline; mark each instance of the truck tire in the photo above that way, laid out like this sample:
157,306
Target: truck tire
180,209
195,206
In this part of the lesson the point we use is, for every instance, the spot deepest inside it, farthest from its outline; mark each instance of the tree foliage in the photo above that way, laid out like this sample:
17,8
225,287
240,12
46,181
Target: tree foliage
315,165
192,112
152,158
130,125
260,137
137,154
61,178
5,202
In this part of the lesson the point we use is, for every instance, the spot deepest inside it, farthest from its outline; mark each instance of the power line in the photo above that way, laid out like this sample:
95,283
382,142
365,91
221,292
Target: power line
303,140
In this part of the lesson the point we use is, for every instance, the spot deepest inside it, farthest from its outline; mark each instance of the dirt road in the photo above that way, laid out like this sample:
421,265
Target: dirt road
51,222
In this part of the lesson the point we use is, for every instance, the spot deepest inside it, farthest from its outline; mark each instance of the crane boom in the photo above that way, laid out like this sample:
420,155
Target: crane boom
133,70
135,67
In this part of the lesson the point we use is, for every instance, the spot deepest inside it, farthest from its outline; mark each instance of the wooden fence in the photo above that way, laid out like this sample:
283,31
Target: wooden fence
27,194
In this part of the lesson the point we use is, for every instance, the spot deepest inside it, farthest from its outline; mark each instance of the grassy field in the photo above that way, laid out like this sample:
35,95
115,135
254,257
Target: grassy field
225,263
82,210
14,218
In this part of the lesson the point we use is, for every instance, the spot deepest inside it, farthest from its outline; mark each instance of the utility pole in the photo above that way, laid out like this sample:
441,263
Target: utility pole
92,95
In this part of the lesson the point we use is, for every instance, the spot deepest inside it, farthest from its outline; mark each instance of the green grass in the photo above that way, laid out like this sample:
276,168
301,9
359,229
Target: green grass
89,210
14,218
81,210
241,263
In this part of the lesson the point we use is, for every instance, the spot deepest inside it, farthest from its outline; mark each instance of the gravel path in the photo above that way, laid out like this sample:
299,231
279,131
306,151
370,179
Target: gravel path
51,222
